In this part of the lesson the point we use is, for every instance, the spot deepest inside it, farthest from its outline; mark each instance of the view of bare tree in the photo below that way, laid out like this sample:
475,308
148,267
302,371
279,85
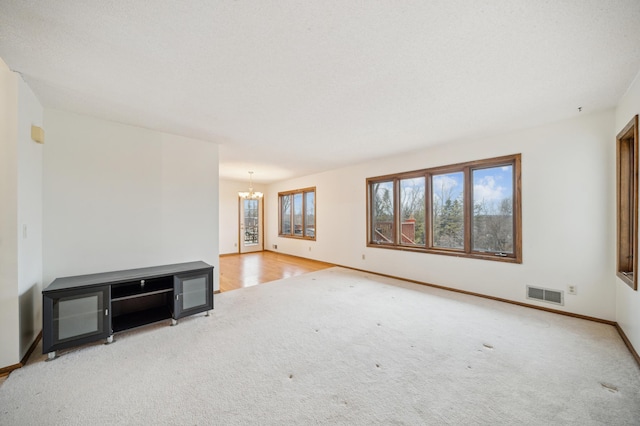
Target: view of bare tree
448,213
493,225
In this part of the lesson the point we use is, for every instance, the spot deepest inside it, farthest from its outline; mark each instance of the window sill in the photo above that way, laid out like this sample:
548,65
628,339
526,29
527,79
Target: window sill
628,280
445,252
296,237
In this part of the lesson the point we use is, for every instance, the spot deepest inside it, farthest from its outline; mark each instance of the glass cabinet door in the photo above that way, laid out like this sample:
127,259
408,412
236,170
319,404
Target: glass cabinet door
193,293
75,317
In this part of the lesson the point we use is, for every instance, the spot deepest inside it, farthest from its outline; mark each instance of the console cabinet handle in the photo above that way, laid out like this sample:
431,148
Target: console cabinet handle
106,312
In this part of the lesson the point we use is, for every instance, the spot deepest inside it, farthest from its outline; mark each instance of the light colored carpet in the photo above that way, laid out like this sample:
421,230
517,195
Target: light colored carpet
340,347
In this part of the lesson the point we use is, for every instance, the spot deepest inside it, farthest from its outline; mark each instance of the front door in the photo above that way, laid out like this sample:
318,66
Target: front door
250,225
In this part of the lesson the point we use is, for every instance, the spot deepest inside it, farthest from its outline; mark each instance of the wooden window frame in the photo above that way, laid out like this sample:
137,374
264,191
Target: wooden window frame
303,192
627,204
467,168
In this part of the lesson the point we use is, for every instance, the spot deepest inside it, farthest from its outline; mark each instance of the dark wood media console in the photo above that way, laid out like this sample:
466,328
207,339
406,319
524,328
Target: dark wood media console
86,308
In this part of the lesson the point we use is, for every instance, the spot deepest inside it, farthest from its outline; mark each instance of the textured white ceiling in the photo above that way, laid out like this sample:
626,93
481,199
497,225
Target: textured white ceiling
295,87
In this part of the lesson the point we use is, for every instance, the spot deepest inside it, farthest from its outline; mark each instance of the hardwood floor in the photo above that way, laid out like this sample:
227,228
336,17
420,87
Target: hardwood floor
245,270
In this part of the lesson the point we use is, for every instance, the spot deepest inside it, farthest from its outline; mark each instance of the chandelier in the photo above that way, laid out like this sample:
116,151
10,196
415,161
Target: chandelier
251,195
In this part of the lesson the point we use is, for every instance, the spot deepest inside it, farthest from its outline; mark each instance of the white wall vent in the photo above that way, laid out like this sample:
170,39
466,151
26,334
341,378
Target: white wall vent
545,295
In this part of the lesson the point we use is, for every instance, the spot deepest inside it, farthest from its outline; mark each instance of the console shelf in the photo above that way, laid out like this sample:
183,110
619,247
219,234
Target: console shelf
137,319
85,308
135,296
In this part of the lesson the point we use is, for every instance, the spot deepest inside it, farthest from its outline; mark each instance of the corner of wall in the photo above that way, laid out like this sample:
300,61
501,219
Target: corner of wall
9,309
29,225
628,300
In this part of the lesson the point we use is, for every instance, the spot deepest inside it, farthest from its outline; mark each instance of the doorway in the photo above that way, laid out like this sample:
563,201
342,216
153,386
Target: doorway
251,233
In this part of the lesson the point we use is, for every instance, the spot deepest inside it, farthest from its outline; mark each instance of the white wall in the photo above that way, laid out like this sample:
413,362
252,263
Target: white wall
627,300
229,213
119,197
20,203
29,227
567,176
9,308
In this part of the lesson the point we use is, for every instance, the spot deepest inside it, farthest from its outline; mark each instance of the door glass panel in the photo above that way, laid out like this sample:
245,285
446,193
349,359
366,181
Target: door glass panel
448,210
251,222
194,292
78,316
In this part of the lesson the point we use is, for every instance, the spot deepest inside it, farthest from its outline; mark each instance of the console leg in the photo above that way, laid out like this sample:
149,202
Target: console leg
110,339
51,356
208,314
173,322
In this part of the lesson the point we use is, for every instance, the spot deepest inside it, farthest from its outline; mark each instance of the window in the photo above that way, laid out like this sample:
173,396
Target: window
627,203
298,213
447,201
412,208
467,210
285,214
310,214
492,219
382,212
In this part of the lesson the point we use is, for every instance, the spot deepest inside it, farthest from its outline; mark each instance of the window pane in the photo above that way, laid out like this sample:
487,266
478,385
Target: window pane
412,209
492,218
285,214
448,210
310,214
382,212
297,214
